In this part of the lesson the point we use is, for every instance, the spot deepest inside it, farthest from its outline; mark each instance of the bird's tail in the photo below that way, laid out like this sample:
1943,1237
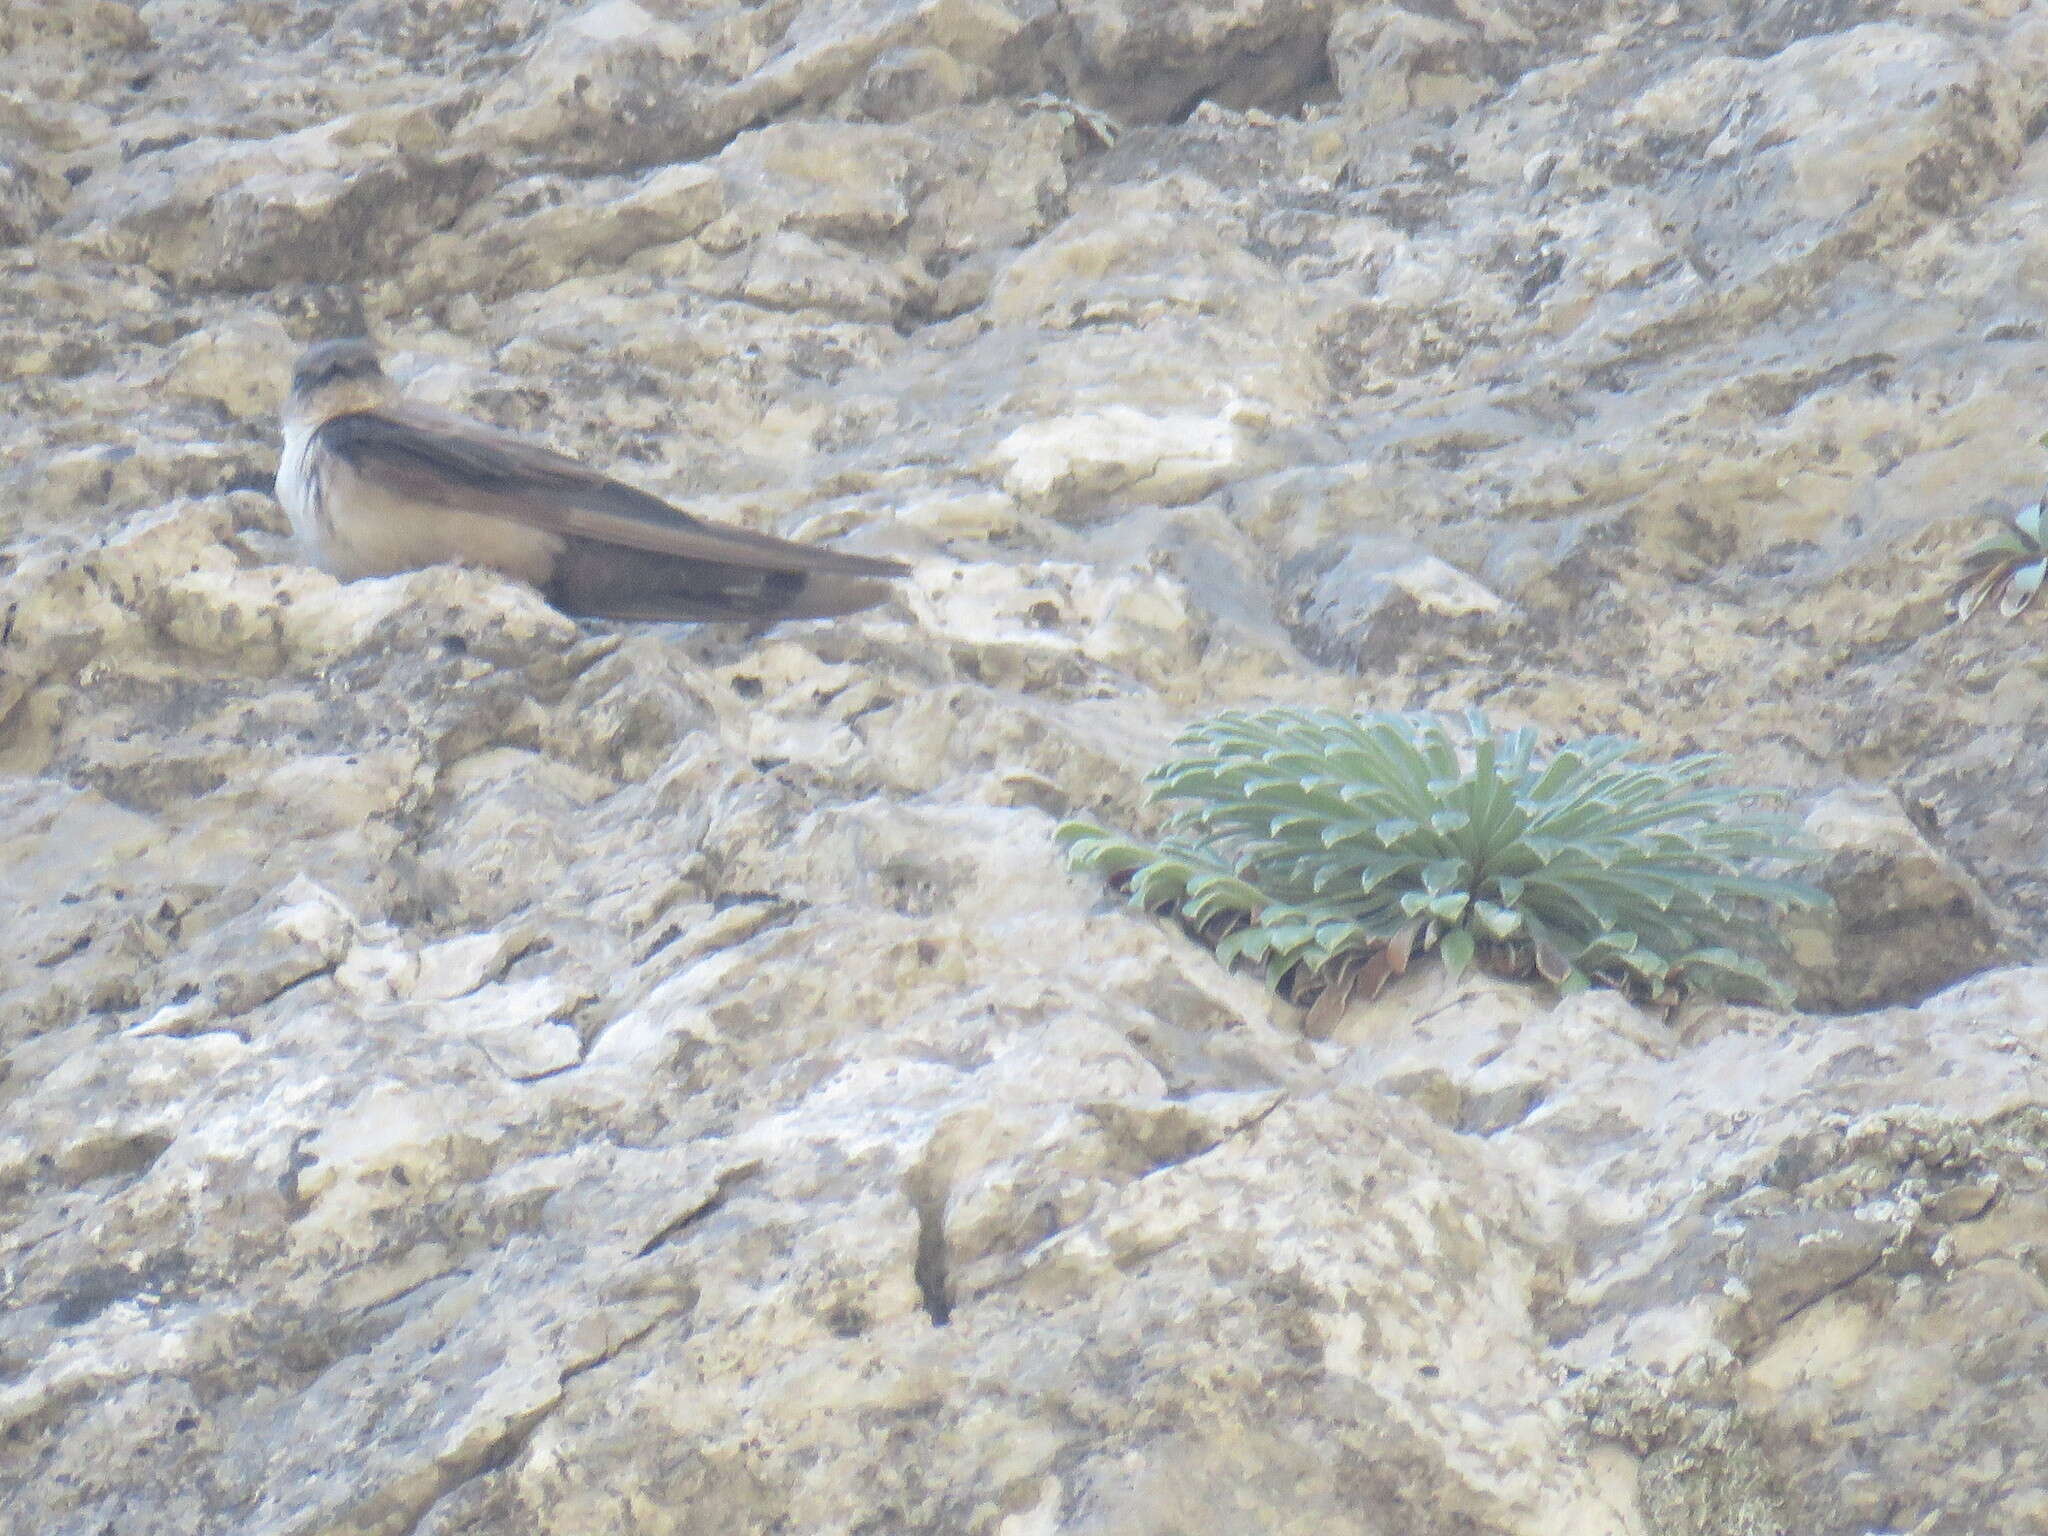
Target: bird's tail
600,580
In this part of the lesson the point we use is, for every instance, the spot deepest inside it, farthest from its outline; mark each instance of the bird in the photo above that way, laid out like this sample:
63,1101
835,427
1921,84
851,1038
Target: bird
375,485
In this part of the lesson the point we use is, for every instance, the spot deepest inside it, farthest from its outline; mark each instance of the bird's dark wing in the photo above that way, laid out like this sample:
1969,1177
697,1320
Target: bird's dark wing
445,461
614,582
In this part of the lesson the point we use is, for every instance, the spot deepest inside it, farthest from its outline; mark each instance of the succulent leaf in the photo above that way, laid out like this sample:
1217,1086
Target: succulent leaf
1458,948
2021,586
2009,564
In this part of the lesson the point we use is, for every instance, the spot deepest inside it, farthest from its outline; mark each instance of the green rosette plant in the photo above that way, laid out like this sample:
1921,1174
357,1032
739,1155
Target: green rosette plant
1330,850
2010,565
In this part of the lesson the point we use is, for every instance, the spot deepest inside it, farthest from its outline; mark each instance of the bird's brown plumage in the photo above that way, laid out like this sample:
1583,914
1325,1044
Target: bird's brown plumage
376,485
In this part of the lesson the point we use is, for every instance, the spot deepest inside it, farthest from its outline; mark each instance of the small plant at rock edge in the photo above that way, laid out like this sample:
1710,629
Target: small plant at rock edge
1331,850
2010,564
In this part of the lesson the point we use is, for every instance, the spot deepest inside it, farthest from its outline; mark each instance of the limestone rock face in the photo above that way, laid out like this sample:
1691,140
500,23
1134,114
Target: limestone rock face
1904,920
1152,60
334,202
467,1071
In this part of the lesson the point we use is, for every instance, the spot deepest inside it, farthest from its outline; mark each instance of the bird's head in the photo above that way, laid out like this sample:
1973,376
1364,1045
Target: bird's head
334,378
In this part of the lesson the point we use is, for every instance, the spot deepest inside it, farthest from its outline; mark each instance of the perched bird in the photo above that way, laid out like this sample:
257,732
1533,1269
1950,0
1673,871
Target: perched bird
375,485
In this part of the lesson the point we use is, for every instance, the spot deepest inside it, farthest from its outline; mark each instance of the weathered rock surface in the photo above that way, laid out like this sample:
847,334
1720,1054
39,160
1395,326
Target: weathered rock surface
1903,920
463,1071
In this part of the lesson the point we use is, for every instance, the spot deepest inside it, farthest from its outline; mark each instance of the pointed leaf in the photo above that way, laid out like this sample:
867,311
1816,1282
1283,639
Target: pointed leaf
2021,587
1498,922
1443,875
1457,949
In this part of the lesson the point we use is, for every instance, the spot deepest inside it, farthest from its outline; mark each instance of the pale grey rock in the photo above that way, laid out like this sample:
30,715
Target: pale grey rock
615,86
1388,59
604,88
80,26
110,478
30,197
1375,598
1824,1268
1905,920
67,49
237,365
1083,459
466,1071
1818,166
994,179
326,204
536,231
908,82
843,182
1146,61
810,274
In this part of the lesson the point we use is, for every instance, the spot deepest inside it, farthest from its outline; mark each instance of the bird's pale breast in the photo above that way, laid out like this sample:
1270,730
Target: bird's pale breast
351,526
